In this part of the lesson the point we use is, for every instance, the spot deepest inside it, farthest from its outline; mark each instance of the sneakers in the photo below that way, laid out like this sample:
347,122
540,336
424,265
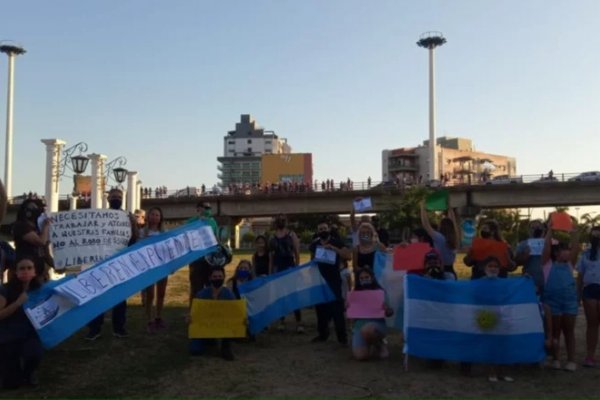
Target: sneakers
92,336
555,365
383,351
589,362
571,366
300,329
318,339
151,327
121,334
495,378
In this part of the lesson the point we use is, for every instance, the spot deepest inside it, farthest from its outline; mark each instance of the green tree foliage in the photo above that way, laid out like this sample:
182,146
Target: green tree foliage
405,213
512,227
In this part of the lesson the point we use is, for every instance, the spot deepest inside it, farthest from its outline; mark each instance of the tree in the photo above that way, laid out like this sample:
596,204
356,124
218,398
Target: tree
512,227
248,237
405,214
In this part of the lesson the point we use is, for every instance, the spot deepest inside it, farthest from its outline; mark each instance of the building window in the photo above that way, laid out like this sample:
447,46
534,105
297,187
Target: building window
267,142
231,142
231,150
249,141
249,149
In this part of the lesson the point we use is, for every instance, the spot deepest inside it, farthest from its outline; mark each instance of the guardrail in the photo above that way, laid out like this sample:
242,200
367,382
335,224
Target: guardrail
343,186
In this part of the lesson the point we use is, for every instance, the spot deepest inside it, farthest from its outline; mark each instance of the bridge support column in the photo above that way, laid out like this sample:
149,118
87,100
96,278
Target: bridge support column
234,232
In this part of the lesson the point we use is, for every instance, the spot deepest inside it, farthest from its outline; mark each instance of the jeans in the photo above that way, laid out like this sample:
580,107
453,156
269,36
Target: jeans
325,313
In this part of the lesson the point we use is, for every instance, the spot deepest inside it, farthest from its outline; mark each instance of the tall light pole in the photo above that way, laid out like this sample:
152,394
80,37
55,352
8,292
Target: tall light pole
431,40
11,50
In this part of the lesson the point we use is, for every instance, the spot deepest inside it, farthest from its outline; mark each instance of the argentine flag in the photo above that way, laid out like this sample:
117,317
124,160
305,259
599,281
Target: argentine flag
495,321
272,297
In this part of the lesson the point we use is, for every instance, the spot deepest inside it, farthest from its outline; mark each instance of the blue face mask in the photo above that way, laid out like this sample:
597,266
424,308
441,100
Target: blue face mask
243,274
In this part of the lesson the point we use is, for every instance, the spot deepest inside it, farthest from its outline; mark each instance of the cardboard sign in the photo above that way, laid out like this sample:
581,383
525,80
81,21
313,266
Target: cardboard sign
365,304
326,256
561,221
484,248
363,204
437,201
87,236
536,246
410,257
212,319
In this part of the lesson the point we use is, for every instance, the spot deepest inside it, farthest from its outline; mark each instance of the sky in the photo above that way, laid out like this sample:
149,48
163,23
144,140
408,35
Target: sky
162,82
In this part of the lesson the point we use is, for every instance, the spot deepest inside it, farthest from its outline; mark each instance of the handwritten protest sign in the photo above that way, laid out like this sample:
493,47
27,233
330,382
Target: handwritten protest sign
535,246
213,319
483,248
365,304
363,204
88,236
410,257
326,256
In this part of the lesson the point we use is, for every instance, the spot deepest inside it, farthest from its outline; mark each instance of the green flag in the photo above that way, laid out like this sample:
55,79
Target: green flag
437,201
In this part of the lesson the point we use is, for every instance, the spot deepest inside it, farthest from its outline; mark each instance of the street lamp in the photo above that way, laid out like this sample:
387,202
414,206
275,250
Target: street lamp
12,50
79,162
116,168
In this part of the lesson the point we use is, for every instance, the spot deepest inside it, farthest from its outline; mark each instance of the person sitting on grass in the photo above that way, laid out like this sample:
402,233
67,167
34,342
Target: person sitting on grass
368,335
216,291
20,348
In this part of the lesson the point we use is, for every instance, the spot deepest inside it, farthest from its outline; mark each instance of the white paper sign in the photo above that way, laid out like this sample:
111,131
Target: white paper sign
324,255
536,246
364,204
88,236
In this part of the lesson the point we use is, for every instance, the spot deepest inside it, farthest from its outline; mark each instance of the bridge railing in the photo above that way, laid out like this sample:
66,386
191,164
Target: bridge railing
323,186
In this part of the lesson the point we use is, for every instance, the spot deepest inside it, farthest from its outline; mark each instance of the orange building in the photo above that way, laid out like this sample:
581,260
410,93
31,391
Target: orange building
293,167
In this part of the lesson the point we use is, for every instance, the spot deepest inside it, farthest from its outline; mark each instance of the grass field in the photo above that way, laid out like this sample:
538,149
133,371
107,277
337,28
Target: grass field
276,365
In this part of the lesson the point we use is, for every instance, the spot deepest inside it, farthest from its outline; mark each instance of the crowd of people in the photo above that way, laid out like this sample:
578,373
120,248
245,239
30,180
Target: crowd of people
552,270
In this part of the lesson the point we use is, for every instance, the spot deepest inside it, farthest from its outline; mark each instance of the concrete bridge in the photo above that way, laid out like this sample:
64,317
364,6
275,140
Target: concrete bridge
468,199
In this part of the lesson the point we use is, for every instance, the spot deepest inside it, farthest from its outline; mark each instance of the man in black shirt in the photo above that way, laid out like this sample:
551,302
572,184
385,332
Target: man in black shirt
331,273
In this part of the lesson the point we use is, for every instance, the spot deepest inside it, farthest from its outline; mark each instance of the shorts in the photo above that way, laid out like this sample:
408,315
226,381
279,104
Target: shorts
357,339
591,292
562,302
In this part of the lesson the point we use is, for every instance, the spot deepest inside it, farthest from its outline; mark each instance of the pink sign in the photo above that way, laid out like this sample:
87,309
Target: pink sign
365,304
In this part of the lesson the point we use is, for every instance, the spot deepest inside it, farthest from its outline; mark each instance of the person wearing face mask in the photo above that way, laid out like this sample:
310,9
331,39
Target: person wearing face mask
199,269
216,291
243,273
532,263
330,272
284,253
119,312
446,240
368,335
29,240
588,288
434,268
489,230
363,254
20,348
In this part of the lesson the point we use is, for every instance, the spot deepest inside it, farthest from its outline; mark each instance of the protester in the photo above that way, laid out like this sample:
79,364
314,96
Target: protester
30,241
346,277
330,272
243,273
490,230
284,253
434,268
560,294
532,263
199,269
216,291
368,334
119,312
588,285
447,240
140,218
20,348
260,258
155,323
382,233
363,254
491,267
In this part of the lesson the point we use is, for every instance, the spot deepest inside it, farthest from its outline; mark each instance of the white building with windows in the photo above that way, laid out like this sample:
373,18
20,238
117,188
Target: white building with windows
242,151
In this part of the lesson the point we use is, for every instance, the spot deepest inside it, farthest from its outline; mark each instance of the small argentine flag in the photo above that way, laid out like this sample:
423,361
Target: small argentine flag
495,321
277,295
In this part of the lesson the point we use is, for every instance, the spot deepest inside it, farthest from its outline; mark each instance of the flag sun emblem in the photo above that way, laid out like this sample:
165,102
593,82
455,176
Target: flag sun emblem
487,319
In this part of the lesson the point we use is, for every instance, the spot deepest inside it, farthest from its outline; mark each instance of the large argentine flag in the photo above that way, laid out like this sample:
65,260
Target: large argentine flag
494,321
392,282
277,295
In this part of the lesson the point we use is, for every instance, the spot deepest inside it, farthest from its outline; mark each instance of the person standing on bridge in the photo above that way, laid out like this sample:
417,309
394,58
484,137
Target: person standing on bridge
284,253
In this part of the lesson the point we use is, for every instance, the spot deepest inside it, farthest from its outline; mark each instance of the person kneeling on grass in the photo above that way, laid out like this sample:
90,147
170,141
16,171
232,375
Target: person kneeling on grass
368,335
20,348
216,291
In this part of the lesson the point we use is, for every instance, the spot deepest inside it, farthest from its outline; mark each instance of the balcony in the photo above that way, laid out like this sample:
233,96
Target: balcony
403,168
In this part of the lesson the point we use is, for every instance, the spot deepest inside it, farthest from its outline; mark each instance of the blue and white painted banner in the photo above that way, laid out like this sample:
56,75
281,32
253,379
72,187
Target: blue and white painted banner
85,237
392,282
272,297
62,307
494,321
